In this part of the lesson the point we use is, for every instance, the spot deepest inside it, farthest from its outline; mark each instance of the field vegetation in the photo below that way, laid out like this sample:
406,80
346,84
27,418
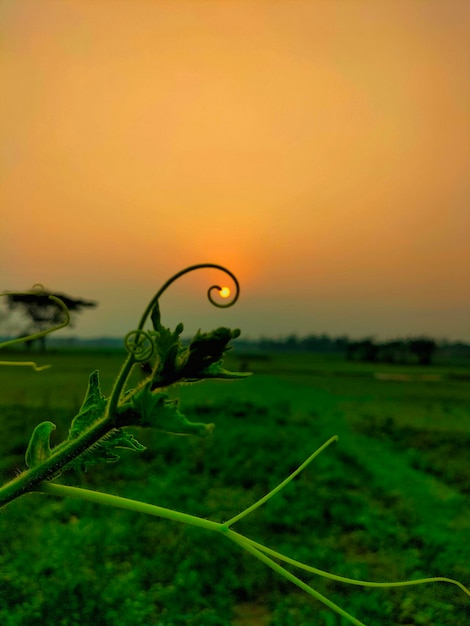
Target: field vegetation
389,501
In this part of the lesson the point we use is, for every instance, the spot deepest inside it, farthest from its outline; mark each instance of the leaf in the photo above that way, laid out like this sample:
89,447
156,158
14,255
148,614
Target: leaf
39,445
201,359
168,348
216,370
105,448
92,409
124,439
205,356
156,410
156,317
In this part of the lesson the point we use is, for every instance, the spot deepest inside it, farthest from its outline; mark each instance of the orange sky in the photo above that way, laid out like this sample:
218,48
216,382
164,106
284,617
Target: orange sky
320,149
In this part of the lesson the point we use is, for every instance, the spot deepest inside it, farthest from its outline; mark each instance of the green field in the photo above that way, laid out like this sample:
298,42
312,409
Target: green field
389,501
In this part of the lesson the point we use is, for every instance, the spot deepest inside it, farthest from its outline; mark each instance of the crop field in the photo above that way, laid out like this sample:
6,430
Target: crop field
389,501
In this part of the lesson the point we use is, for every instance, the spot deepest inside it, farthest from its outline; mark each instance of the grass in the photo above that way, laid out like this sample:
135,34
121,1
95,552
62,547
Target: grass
388,502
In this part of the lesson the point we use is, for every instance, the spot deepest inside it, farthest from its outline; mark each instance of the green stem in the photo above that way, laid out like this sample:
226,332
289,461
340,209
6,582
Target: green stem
176,516
281,485
247,545
258,550
119,384
62,455
131,505
261,552
171,280
350,581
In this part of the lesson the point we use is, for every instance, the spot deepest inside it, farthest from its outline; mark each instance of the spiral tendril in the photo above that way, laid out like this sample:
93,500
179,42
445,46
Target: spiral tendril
134,340
139,344
219,305
38,288
211,289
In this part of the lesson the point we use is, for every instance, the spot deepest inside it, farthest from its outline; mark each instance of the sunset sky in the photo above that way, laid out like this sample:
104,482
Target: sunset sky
320,149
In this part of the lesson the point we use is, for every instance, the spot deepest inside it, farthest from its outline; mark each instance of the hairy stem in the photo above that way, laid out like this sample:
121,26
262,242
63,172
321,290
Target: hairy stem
119,384
62,455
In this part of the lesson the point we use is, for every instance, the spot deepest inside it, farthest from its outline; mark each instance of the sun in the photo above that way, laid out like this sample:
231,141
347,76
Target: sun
224,292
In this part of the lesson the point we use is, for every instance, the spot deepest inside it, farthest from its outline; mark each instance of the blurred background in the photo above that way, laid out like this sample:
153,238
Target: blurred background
320,150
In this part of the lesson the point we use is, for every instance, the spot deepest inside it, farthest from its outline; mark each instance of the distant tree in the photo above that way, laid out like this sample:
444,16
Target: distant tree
365,350
393,352
423,348
42,312
341,344
291,343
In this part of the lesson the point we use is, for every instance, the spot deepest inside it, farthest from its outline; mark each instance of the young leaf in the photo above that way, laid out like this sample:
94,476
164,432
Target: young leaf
155,410
39,445
122,438
168,348
92,409
216,370
204,357
105,449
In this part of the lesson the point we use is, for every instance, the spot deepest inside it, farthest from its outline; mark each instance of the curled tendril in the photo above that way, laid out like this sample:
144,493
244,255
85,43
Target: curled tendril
219,304
37,290
133,345
139,344
191,268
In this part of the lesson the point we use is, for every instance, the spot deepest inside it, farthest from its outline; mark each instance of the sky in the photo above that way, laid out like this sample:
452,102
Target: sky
319,149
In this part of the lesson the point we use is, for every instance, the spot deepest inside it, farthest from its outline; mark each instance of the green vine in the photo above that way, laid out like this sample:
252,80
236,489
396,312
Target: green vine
100,429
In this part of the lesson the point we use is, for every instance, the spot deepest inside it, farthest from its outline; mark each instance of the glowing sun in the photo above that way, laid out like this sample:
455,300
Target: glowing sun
224,292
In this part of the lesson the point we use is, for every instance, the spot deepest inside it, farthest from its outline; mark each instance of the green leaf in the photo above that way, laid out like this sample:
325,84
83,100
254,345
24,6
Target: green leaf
39,445
122,438
204,357
168,348
92,409
156,410
216,370
156,317
105,448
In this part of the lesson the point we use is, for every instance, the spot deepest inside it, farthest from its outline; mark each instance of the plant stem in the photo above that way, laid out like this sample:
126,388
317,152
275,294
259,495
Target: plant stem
62,455
191,268
269,495
176,516
247,545
132,505
350,581
119,385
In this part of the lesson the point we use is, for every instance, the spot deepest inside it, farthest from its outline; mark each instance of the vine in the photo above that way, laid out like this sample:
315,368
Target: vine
100,428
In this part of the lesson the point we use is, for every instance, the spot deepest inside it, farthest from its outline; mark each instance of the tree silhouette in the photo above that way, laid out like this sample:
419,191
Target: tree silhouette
364,350
42,312
423,348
